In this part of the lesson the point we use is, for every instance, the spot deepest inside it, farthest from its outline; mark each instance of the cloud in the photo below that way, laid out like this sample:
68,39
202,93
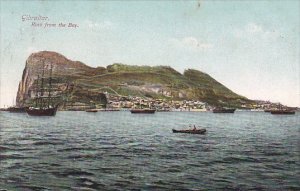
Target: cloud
254,30
192,43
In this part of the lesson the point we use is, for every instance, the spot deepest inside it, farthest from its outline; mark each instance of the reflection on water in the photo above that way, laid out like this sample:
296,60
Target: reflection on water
122,151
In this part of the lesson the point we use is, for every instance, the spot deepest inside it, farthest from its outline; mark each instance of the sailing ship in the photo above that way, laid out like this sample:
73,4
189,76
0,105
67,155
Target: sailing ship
43,103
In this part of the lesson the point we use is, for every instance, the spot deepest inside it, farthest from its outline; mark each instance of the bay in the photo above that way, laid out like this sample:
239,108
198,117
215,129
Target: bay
124,151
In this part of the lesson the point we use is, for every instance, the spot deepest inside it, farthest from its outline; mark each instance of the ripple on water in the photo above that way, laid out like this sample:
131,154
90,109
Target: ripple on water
33,187
48,142
13,156
84,157
87,183
120,151
71,172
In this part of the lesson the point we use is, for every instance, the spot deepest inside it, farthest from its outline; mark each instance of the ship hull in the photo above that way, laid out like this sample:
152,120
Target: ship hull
283,112
146,111
197,131
223,110
42,112
91,110
17,109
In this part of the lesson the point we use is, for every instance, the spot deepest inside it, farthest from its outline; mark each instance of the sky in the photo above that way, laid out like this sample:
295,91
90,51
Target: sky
251,47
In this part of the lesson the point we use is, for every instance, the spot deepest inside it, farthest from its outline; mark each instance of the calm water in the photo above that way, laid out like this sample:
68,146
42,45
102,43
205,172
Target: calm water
123,151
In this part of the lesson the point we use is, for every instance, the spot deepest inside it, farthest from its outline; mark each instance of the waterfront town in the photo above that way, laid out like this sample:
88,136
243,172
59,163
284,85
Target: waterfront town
117,102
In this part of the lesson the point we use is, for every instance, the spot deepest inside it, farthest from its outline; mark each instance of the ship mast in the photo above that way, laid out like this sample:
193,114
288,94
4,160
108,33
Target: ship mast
42,85
37,91
50,85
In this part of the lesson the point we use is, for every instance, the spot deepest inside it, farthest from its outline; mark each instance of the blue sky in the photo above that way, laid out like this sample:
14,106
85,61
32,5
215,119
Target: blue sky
252,47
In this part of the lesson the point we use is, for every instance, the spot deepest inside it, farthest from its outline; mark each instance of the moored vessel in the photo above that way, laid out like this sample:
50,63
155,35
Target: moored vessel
43,107
15,109
282,112
146,111
91,110
47,111
223,110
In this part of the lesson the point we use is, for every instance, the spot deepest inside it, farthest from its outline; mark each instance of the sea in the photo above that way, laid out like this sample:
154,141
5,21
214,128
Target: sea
77,150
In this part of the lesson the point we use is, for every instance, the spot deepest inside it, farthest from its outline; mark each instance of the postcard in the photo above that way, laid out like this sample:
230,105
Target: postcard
149,95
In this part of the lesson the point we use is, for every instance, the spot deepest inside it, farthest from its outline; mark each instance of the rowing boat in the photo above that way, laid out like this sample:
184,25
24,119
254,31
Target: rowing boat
191,131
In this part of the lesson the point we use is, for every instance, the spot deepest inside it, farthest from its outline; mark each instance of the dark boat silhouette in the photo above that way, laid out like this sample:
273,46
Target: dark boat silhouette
223,110
91,110
15,109
43,107
190,131
147,111
283,112
49,111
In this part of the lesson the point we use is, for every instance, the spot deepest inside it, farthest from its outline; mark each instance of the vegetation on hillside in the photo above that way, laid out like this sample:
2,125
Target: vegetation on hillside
84,84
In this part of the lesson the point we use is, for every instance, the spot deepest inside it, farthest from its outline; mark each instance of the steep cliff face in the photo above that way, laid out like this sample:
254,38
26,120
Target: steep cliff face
79,84
62,70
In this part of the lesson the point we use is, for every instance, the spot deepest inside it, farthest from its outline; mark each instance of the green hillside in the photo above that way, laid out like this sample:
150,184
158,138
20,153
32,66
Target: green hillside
78,83
192,85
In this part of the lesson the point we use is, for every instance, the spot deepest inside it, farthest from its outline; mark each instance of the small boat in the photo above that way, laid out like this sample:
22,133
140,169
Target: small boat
191,131
282,112
15,109
146,111
91,110
223,110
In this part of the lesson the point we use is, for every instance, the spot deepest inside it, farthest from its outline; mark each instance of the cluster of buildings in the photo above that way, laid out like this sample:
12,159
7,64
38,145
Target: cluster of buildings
264,105
118,102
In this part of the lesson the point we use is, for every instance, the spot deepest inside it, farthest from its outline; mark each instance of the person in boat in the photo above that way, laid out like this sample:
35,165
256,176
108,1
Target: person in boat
195,128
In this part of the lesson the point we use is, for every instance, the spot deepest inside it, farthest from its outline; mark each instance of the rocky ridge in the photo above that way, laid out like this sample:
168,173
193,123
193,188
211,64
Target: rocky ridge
77,83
